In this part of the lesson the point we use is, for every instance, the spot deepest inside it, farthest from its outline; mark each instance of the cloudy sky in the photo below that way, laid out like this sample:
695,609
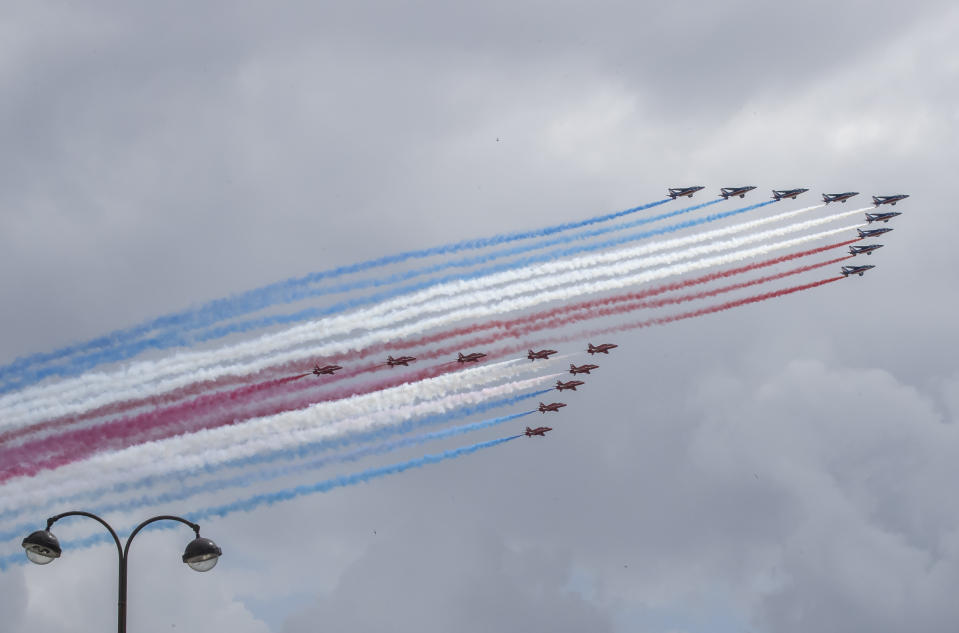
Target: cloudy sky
785,467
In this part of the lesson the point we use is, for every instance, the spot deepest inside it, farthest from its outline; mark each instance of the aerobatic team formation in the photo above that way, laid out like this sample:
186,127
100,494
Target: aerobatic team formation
242,402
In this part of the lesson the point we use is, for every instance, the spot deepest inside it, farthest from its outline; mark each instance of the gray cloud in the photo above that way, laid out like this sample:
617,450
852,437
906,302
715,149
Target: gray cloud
790,460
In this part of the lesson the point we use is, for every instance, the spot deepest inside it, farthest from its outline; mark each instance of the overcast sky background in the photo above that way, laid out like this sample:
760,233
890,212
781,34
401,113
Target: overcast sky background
785,467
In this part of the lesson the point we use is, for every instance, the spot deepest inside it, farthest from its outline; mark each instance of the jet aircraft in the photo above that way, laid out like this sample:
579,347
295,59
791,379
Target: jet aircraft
570,384
864,233
855,270
539,430
582,369
867,249
877,200
602,348
552,406
543,354
732,192
787,193
470,358
838,197
679,192
402,360
325,369
881,217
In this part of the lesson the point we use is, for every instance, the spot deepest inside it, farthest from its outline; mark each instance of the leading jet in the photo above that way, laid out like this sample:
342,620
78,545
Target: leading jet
679,192
877,200
543,354
787,193
864,233
600,349
732,192
881,217
470,358
328,370
553,406
867,249
539,430
570,384
855,270
402,360
838,197
582,369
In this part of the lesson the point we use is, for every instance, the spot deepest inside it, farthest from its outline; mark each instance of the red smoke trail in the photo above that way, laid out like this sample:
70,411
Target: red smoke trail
203,405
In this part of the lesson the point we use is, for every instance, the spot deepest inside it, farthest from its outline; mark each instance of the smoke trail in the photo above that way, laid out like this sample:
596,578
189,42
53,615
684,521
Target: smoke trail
161,370
711,309
268,499
177,339
248,478
728,305
285,291
329,422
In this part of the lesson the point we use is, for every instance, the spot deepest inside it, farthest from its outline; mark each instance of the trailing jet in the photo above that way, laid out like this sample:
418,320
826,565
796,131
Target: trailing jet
600,349
864,233
787,193
571,384
855,270
877,200
582,369
881,217
470,358
325,369
838,197
868,249
543,354
539,430
679,192
402,360
732,192
553,406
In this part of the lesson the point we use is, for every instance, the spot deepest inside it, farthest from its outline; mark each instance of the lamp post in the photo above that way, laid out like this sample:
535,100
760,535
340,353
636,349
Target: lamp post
201,554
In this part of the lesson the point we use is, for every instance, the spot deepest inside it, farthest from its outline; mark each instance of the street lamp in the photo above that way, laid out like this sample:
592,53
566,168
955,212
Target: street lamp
201,554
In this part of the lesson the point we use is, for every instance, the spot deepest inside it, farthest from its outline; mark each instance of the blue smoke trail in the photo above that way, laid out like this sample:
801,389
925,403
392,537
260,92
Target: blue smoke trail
273,293
270,498
166,341
301,450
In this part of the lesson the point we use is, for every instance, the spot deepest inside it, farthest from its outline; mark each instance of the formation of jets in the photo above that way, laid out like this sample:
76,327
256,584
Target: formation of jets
732,192
866,233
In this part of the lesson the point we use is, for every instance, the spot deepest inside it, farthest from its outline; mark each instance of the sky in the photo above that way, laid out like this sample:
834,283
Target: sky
780,467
